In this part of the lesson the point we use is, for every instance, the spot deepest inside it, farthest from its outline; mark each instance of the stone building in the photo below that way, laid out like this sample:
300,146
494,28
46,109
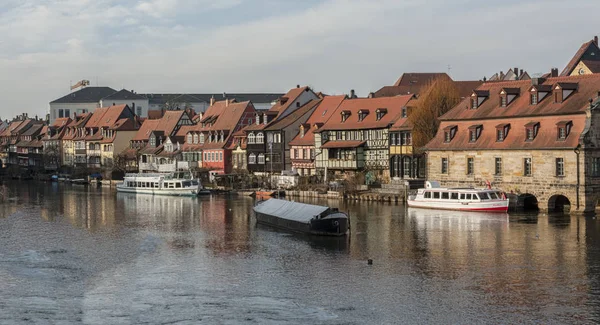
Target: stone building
537,139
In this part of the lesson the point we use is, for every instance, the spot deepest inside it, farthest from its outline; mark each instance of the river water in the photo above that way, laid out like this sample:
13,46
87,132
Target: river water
69,254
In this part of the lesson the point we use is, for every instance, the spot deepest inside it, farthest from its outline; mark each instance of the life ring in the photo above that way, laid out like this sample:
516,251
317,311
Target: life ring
336,223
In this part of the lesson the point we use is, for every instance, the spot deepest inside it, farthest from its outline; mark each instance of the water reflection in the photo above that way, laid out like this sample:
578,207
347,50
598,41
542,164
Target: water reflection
542,268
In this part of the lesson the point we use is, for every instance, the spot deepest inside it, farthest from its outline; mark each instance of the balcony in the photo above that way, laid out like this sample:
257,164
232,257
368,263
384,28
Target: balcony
80,151
343,164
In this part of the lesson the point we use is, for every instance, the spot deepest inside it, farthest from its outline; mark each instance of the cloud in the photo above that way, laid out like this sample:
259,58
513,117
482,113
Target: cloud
268,45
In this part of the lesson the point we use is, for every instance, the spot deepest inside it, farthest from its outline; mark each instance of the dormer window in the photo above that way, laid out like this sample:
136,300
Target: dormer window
474,103
251,138
475,132
563,90
404,112
201,138
380,113
362,114
531,130
450,132
478,97
345,115
533,99
189,138
265,119
502,131
195,138
508,95
563,129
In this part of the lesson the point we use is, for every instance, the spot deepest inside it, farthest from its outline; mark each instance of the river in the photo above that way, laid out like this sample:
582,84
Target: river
72,254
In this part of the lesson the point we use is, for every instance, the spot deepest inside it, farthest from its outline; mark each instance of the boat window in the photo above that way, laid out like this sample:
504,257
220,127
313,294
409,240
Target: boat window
462,196
445,195
187,184
484,196
436,195
156,185
428,195
194,183
475,196
178,185
469,196
454,196
494,195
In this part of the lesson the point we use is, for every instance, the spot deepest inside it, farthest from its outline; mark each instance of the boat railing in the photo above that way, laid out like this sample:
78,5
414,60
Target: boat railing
166,176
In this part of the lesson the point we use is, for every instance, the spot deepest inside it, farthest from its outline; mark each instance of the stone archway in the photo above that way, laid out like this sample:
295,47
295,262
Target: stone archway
528,202
559,203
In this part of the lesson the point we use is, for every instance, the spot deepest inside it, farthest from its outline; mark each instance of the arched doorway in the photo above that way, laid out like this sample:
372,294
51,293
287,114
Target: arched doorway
559,203
528,202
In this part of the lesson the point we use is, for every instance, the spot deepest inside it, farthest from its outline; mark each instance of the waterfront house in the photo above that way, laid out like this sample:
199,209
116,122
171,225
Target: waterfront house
28,148
148,141
53,143
302,147
238,151
9,138
257,148
73,142
78,102
585,61
356,137
535,138
207,144
108,130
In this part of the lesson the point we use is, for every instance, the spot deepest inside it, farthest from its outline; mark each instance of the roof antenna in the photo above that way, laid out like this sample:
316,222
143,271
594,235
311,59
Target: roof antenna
449,68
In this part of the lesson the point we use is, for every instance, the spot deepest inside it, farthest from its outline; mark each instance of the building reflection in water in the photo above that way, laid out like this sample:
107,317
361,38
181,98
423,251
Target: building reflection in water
521,261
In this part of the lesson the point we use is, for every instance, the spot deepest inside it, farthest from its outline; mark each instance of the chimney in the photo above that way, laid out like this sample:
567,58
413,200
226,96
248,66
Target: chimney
596,40
516,71
212,100
297,104
133,107
224,95
484,79
371,95
297,86
537,81
227,103
113,104
352,94
520,72
554,72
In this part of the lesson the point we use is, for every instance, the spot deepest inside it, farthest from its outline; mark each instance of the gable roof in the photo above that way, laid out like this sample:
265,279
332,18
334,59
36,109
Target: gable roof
288,99
577,102
166,124
590,46
594,66
320,115
410,83
61,121
124,94
106,116
294,116
393,106
85,95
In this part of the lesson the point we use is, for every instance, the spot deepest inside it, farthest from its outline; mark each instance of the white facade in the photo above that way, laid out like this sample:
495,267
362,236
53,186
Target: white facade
58,110
304,98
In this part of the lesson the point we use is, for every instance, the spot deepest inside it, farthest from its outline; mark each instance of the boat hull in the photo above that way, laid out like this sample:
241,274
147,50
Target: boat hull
493,206
156,191
330,226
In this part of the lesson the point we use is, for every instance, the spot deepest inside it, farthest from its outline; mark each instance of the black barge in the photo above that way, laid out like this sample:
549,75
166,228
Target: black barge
301,217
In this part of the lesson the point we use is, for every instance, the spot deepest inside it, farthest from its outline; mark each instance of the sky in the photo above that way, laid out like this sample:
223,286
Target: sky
203,46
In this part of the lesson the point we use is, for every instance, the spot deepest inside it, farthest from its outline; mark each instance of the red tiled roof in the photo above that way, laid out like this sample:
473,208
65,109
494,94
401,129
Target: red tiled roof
61,121
392,104
516,137
288,99
410,83
155,114
106,116
578,101
294,116
322,113
577,57
166,124
343,144
144,132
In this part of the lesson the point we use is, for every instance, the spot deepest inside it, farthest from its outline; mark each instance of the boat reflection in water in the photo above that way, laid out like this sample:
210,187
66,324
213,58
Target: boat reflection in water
470,218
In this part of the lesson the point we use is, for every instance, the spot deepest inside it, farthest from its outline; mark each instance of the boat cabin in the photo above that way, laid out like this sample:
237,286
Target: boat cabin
463,195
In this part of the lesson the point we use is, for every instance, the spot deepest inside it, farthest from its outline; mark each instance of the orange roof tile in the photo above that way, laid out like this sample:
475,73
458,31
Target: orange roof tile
322,113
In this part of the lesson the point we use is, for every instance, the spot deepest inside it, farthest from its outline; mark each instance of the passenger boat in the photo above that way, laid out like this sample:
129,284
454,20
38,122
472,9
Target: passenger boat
301,217
463,199
160,184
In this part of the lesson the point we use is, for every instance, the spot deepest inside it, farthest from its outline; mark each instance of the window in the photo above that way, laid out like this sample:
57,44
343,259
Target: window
295,154
213,156
503,101
220,156
447,137
189,138
444,165
362,114
201,138
562,133
260,138
454,196
498,166
436,195
499,135
61,113
345,115
450,132
277,137
195,138
595,167
564,128
261,159
251,138
470,166
381,112
304,154
404,112
445,196
560,167
270,137
252,159
474,103
139,111
533,99
527,167
427,195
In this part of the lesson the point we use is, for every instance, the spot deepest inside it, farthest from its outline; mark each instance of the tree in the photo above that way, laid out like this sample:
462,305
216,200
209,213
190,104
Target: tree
51,155
439,97
173,103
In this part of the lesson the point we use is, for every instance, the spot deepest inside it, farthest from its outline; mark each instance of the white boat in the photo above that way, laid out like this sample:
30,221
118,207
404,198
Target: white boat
462,199
160,184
